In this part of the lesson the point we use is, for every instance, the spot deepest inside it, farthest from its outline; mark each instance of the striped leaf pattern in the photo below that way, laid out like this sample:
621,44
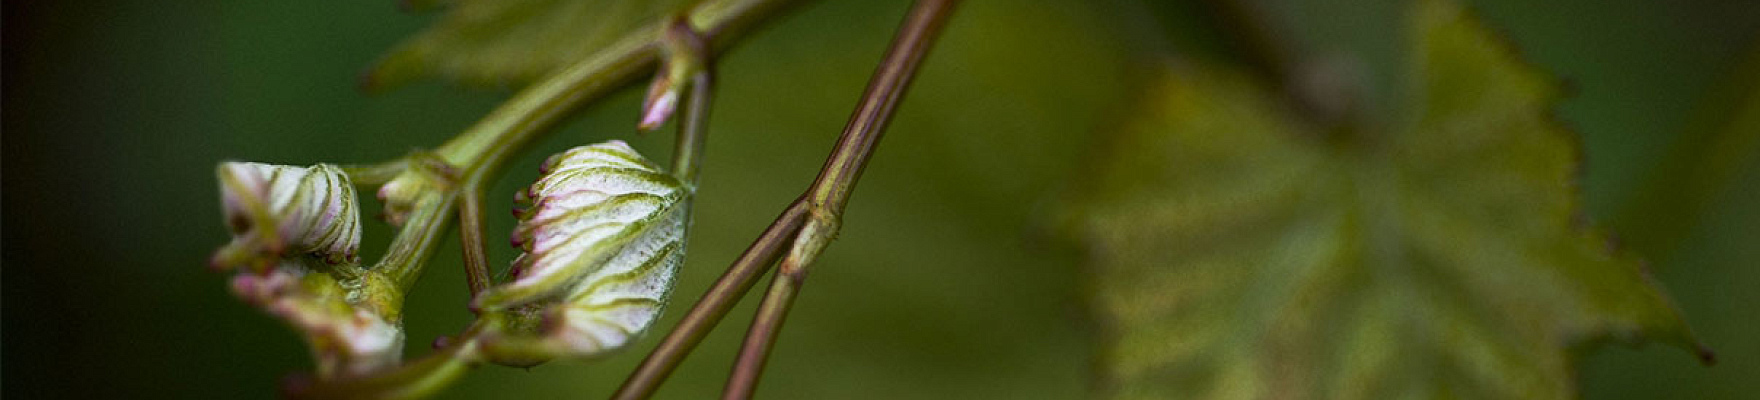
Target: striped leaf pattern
276,211
603,238
297,227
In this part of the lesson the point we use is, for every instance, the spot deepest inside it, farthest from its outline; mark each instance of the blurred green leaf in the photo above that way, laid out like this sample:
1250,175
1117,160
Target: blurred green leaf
511,42
1238,252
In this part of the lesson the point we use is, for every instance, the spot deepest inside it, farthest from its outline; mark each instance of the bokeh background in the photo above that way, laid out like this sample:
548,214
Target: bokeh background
947,281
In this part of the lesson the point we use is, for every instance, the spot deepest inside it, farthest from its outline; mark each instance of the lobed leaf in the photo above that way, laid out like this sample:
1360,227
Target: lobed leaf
1238,252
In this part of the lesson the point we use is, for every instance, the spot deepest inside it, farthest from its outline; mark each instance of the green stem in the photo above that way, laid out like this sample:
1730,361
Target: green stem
484,146
470,232
419,379
837,179
480,151
415,243
753,353
830,193
693,126
376,174
464,165
693,131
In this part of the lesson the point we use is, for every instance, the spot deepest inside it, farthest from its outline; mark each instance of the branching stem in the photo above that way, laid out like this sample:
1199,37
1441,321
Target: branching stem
475,156
837,180
806,226
478,153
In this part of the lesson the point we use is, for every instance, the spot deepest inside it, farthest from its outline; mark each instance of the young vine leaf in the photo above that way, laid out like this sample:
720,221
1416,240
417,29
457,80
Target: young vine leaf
513,42
1239,253
602,240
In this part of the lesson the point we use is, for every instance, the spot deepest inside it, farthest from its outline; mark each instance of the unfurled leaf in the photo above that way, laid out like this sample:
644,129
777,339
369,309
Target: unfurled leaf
510,42
1239,253
603,238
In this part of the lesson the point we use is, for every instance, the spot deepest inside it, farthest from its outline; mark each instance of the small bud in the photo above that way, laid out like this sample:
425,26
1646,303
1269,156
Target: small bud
603,239
277,211
683,54
662,99
428,173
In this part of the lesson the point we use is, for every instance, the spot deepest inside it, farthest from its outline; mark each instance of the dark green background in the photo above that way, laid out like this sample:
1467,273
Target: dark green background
946,282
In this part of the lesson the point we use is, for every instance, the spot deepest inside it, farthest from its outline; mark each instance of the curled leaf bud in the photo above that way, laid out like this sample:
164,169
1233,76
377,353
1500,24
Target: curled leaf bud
603,238
277,211
298,230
